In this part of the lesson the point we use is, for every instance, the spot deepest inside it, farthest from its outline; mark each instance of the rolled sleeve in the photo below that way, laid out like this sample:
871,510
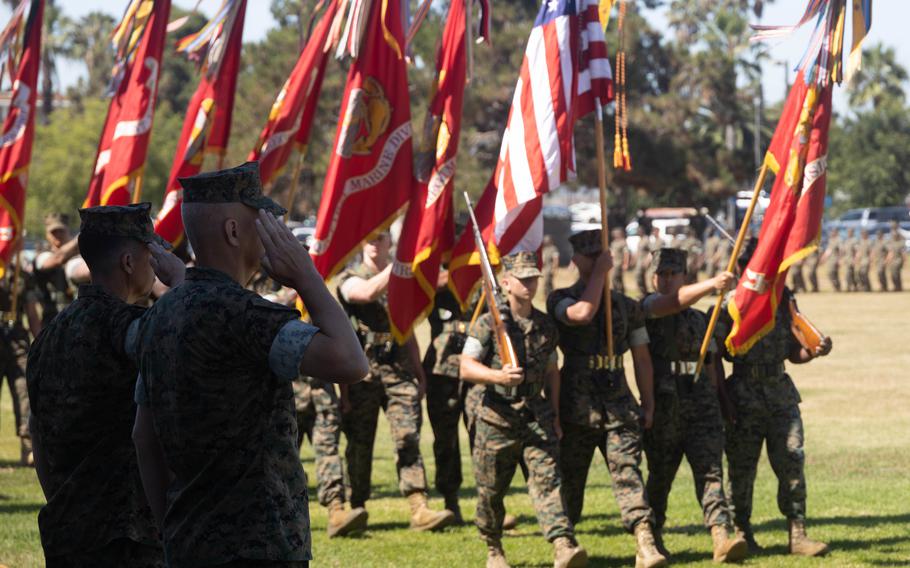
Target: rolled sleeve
639,336
288,348
473,348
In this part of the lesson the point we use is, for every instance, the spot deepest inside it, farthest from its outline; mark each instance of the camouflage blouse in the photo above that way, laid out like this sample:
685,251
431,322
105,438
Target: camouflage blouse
226,422
80,384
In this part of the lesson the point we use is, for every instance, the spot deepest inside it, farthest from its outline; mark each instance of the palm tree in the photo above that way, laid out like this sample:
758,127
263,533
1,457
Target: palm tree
88,42
881,79
54,45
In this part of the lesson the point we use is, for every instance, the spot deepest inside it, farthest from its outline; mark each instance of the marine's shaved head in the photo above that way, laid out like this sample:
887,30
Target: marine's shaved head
223,236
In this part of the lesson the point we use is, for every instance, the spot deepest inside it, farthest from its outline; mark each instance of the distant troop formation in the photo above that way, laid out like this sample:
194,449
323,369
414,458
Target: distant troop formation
167,433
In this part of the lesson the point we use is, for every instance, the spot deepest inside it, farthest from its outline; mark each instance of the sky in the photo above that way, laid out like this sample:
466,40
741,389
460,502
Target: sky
888,27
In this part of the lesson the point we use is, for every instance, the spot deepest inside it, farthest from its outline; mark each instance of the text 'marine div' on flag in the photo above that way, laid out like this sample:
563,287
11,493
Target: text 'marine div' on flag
370,175
428,231
207,123
291,116
19,126
791,229
565,74
139,41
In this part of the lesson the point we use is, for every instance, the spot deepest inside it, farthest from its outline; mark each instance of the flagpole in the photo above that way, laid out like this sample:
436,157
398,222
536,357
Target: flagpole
292,190
137,188
731,264
604,224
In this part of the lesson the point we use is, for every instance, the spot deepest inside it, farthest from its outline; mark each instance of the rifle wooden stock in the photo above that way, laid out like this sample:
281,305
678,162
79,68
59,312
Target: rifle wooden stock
806,333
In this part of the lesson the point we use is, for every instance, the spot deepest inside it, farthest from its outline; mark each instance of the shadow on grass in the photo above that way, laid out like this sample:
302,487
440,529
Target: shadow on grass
14,508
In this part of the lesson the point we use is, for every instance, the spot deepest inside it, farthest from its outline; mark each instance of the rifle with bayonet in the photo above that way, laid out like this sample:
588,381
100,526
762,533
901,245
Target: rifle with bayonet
491,292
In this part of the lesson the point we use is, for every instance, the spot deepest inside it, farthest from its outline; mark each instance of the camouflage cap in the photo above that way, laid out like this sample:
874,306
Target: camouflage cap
131,221
55,221
671,259
521,265
241,184
587,243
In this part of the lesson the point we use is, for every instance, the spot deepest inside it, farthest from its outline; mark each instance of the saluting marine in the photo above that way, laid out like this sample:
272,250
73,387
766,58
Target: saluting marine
516,422
216,431
81,381
687,417
597,410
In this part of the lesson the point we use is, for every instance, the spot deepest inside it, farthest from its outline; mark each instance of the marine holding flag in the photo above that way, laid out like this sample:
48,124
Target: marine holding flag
370,175
759,318
207,125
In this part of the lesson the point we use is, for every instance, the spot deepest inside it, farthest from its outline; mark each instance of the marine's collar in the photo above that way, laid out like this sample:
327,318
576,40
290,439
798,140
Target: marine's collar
207,273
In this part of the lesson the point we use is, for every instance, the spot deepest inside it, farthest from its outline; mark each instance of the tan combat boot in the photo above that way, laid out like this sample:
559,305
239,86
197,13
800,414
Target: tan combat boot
342,523
745,532
425,519
509,522
659,543
728,549
646,553
801,544
568,554
26,457
496,557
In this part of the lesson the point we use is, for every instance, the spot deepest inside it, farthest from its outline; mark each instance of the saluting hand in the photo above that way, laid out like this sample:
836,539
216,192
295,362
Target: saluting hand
285,260
167,266
510,376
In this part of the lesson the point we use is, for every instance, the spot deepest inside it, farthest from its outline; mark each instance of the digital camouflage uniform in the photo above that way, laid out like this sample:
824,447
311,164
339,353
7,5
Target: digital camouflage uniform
517,424
392,387
83,414
896,249
863,260
217,362
550,256
597,410
711,245
618,248
446,394
848,256
687,418
53,287
812,269
879,257
834,250
641,267
797,278
14,344
766,405
319,419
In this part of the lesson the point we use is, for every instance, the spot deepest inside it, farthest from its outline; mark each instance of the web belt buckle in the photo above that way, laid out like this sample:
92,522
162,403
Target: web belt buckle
605,362
683,367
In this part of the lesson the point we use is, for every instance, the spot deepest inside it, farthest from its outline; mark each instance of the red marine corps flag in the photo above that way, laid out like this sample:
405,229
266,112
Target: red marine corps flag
429,227
291,116
207,124
791,228
19,126
370,175
139,43
565,74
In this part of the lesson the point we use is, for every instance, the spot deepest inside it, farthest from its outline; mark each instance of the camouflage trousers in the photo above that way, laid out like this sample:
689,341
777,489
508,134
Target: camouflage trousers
617,282
619,441
862,276
499,447
896,283
641,280
882,274
446,407
851,280
767,411
834,278
548,278
13,356
319,418
118,552
393,389
813,279
687,424
797,281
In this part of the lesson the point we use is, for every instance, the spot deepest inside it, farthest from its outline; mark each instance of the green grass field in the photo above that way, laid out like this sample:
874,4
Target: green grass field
858,455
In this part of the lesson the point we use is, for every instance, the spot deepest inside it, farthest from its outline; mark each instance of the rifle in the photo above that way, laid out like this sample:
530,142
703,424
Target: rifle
806,333
491,291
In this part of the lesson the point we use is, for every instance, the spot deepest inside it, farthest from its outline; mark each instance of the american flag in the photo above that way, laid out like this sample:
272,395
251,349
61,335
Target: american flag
565,74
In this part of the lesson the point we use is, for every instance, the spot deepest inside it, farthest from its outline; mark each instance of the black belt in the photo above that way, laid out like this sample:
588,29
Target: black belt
758,371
